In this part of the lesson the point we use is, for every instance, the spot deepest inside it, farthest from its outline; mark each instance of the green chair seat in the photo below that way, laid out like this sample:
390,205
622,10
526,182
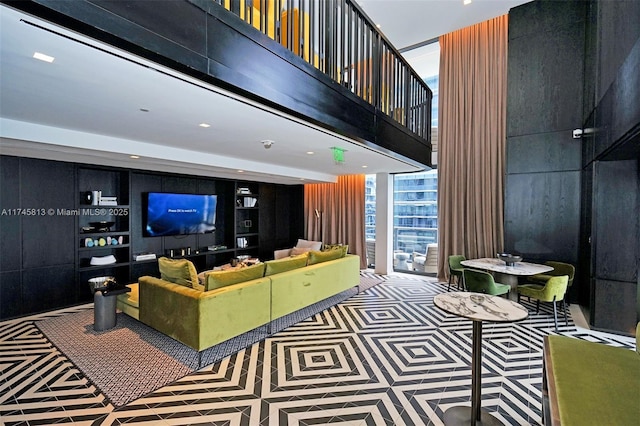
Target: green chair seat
482,282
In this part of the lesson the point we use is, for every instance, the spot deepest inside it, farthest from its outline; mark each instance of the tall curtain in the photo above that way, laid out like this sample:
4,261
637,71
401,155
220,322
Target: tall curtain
472,130
334,213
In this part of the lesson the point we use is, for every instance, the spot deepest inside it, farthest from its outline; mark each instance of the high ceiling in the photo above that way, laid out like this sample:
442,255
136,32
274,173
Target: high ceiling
408,23
95,104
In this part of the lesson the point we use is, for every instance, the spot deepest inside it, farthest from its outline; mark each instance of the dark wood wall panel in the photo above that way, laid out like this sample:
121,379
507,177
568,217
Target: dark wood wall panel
543,152
10,294
140,184
10,232
544,105
49,288
47,240
545,67
543,211
611,310
616,196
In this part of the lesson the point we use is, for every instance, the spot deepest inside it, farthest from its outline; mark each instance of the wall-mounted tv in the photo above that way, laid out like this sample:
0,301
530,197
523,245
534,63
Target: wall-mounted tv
179,214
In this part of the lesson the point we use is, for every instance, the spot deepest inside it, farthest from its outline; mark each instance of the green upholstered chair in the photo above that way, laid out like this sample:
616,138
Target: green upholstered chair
455,270
559,269
482,282
552,291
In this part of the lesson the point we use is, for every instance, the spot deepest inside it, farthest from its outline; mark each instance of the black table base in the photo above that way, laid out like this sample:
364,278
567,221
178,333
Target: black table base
462,416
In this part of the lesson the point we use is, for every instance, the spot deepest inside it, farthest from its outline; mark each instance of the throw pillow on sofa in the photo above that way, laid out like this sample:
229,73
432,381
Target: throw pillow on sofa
323,256
313,245
343,247
218,279
179,271
286,264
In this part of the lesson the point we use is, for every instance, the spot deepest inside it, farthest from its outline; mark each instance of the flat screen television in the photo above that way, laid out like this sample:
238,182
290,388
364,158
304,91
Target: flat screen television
179,214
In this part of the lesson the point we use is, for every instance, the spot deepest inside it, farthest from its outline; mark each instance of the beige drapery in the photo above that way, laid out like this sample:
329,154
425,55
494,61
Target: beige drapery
334,213
472,130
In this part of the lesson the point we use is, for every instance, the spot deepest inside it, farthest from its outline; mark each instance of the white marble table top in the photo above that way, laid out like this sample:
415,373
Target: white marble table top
497,265
480,307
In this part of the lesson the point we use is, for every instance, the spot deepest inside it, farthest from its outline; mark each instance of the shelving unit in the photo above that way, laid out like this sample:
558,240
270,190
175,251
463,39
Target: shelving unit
111,183
247,219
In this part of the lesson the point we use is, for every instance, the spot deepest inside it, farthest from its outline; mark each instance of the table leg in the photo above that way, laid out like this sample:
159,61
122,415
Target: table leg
511,280
475,415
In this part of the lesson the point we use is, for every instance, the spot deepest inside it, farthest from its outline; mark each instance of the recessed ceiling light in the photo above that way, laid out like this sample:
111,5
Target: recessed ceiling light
135,157
43,57
466,2
310,152
240,171
144,110
364,167
205,125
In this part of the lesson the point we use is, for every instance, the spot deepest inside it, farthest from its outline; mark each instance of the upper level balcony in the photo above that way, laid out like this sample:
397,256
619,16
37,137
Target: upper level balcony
320,61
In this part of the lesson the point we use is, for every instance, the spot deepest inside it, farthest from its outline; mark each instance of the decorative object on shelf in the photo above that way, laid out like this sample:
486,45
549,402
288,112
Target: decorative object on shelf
509,259
102,226
250,202
244,190
144,256
93,197
218,247
102,260
108,200
101,283
242,242
247,223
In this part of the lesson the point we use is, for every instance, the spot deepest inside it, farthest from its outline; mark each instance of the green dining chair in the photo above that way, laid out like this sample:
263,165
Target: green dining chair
455,270
552,291
559,269
482,282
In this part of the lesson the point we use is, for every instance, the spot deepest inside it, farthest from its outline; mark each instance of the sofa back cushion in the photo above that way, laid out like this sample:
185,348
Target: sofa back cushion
179,271
323,256
286,264
218,279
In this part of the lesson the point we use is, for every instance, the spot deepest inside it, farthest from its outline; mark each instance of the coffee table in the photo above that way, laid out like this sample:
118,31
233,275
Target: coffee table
477,307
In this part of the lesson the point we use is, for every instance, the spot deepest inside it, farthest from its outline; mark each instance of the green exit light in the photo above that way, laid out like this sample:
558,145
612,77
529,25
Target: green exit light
338,154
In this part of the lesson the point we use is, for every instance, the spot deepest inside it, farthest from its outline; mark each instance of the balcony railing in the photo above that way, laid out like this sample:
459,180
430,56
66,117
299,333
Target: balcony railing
338,38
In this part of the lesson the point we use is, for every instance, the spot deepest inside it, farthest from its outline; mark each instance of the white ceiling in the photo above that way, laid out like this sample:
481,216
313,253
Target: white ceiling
86,107
407,23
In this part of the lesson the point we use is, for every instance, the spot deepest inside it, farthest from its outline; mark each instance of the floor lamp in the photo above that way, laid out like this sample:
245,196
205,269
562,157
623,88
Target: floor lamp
319,219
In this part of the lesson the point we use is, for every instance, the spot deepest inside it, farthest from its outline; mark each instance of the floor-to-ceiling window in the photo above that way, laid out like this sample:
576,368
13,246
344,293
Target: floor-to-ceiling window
415,210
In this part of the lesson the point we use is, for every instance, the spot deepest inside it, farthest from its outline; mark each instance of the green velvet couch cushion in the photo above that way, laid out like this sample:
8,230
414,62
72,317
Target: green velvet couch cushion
179,271
218,279
285,264
323,256
596,384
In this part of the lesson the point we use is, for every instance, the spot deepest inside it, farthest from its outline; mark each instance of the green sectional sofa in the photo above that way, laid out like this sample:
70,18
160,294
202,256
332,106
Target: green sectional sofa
588,383
202,318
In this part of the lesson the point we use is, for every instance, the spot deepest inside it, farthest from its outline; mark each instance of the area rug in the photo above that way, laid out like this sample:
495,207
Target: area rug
132,359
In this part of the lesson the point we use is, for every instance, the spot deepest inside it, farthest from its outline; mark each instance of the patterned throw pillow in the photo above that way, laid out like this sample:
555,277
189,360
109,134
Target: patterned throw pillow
343,247
179,271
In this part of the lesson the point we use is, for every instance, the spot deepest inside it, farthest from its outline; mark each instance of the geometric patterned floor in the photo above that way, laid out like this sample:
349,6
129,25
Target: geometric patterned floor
386,356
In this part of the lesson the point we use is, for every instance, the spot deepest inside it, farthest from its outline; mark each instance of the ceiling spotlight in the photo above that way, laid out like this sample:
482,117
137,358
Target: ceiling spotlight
43,57
204,125
267,143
